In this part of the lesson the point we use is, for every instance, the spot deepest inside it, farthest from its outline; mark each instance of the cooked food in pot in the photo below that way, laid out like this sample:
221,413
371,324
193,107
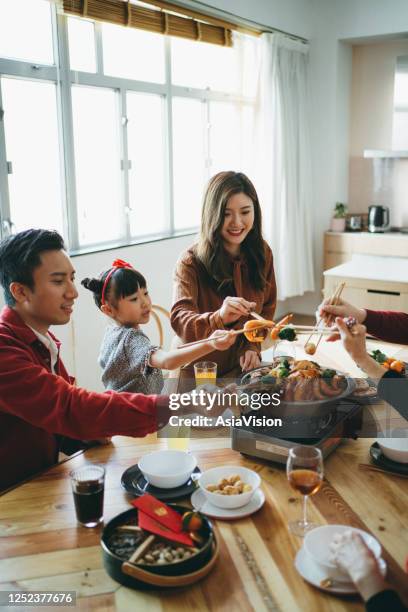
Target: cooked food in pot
299,380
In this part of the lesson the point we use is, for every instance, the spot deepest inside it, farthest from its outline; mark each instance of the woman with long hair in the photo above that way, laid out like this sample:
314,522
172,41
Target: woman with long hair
228,273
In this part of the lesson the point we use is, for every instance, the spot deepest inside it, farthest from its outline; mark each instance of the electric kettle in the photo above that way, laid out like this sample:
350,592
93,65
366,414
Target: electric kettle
378,218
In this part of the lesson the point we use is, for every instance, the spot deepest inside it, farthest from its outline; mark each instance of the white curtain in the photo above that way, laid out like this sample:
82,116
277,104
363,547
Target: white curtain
283,161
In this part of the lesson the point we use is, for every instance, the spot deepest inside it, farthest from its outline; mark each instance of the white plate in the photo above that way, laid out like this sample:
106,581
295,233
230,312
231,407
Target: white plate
312,573
200,503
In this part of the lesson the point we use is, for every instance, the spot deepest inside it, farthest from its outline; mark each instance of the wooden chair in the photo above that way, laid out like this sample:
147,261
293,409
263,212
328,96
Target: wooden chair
156,311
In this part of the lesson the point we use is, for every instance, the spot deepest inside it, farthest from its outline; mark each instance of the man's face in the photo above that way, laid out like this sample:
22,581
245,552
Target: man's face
52,299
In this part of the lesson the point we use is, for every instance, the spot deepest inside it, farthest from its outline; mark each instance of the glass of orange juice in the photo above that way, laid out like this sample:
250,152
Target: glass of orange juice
205,372
180,439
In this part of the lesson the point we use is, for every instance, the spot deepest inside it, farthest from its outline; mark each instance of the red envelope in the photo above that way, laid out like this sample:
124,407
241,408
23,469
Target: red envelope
152,526
160,512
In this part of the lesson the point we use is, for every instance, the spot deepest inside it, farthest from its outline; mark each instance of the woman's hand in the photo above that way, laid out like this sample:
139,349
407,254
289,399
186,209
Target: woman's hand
221,340
354,341
343,309
233,308
249,360
353,556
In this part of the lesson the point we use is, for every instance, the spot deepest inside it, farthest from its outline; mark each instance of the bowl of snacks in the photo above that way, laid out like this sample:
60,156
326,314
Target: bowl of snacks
159,562
167,469
229,486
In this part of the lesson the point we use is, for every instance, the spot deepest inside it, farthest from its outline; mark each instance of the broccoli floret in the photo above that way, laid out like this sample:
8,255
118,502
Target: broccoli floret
328,373
287,333
283,372
379,356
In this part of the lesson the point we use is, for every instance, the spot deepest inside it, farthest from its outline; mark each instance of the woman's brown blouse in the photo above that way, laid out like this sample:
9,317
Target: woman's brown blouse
196,304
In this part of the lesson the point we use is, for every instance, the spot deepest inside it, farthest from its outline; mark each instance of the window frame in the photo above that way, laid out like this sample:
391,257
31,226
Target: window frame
61,75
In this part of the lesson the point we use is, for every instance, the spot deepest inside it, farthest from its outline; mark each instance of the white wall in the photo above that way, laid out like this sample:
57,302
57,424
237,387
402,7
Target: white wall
372,101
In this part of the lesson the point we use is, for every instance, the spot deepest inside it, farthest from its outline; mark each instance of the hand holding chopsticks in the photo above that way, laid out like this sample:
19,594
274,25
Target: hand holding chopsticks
310,347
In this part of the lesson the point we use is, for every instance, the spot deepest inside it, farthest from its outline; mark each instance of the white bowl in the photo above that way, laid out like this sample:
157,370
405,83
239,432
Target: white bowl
317,545
395,449
167,469
213,475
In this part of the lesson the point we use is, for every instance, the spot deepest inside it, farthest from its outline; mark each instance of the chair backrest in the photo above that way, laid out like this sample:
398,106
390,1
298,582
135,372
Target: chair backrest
156,312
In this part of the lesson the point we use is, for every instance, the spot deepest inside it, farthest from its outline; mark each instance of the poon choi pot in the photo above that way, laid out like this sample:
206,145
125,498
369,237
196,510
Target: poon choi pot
118,547
258,381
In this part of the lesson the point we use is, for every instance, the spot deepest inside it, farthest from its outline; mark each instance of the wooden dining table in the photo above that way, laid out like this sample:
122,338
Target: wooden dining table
42,548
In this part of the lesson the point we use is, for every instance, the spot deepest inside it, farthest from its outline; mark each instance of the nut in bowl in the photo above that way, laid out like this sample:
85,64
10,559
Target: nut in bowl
167,469
318,541
230,486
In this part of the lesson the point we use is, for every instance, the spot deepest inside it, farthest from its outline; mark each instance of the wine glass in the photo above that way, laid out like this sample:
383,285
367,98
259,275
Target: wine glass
304,469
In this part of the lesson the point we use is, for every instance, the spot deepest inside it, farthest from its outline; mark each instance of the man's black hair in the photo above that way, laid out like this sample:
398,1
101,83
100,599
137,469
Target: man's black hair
21,254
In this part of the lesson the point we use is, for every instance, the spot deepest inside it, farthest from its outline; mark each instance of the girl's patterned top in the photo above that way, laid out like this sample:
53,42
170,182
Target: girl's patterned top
124,359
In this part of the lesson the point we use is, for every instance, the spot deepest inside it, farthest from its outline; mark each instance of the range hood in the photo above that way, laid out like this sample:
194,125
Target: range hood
379,153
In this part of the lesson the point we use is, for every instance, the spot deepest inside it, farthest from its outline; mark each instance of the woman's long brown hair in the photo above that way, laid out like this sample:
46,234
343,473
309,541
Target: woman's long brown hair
210,249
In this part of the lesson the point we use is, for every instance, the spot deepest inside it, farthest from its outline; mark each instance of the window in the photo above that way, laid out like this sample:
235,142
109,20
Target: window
28,38
189,155
81,37
97,171
147,157
133,54
114,141
31,132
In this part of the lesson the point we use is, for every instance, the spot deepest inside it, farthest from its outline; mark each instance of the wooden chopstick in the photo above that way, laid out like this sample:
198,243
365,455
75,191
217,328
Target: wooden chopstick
373,468
333,301
235,332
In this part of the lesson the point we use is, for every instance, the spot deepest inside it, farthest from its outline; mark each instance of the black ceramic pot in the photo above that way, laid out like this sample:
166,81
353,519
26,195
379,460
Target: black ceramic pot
113,563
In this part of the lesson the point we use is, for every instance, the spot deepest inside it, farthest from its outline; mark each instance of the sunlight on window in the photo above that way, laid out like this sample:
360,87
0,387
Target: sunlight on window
225,150
81,38
32,147
133,54
188,160
25,30
147,175
203,65
96,138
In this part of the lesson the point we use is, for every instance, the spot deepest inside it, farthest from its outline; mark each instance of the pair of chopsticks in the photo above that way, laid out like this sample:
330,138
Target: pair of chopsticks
334,300
263,323
235,332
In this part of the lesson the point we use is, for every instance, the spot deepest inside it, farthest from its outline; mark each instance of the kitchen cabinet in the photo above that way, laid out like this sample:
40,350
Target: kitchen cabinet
375,295
339,247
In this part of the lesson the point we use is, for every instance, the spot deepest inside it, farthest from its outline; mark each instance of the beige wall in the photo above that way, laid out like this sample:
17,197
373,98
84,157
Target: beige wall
371,112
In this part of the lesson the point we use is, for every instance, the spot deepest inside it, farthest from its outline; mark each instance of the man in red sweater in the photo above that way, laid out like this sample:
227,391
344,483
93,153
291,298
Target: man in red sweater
39,403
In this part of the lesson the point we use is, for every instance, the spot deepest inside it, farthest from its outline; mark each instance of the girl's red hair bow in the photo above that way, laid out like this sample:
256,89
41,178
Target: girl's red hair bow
118,263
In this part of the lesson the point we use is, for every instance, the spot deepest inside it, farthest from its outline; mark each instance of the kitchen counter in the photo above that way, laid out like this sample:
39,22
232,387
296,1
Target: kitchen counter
43,548
373,267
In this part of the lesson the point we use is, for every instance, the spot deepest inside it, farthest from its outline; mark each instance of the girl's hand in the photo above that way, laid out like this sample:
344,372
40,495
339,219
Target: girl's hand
221,340
249,360
233,308
343,309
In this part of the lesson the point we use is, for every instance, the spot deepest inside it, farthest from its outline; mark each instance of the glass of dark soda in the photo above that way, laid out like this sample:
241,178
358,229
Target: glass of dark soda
88,483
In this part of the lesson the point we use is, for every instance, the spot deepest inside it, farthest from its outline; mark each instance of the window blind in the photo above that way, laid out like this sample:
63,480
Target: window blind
163,21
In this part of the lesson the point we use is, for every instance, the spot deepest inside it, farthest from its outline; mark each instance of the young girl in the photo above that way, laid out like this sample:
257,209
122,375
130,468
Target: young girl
128,360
